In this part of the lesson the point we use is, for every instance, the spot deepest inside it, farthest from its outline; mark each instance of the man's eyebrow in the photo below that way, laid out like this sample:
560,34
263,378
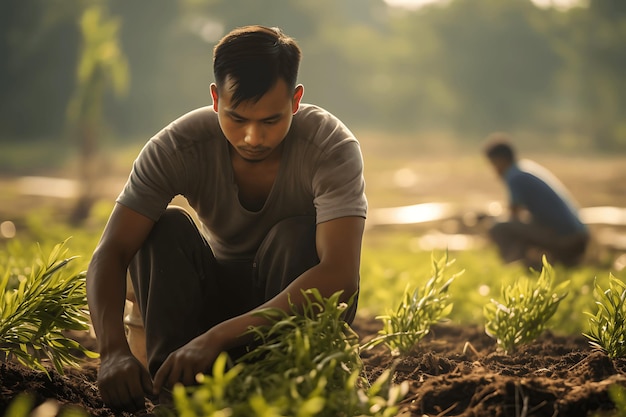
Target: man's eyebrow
236,115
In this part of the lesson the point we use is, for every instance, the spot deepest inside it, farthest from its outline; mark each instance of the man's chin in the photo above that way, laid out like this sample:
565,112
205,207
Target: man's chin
253,156
253,161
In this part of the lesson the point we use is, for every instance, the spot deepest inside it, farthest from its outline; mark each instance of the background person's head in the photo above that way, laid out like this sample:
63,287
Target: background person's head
499,150
250,60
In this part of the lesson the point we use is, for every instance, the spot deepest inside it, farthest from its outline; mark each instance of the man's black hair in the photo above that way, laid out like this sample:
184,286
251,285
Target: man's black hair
498,145
255,58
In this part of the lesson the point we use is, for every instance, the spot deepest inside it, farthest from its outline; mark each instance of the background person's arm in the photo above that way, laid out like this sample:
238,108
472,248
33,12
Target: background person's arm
122,379
338,245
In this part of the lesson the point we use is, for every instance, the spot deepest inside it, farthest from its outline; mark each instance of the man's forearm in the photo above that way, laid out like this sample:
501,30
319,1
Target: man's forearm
232,333
106,294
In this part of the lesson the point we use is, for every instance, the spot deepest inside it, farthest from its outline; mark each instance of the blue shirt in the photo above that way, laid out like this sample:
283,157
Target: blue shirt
545,198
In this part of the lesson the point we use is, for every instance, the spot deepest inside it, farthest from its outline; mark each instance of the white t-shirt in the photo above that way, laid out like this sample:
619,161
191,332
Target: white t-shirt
320,174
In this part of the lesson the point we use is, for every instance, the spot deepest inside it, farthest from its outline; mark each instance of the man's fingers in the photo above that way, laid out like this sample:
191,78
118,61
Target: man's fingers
123,383
174,376
189,376
167,375
146,382
160,377
121,397
138,399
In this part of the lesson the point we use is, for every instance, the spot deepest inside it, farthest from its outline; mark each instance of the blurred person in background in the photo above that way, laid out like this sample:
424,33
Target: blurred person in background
278,189
543,216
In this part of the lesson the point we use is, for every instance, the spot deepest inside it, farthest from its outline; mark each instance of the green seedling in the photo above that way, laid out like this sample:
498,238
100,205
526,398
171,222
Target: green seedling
607,328
418,311
33,316
525,309
306,364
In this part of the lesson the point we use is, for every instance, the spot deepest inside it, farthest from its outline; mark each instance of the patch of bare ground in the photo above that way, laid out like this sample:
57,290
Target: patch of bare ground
458,371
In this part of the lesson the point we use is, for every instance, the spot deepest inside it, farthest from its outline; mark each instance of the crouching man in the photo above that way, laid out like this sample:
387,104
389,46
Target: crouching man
278,191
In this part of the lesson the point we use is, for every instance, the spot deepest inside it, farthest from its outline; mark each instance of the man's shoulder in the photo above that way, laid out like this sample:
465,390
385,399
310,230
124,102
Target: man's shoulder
191,129
201,117
313,111
317,124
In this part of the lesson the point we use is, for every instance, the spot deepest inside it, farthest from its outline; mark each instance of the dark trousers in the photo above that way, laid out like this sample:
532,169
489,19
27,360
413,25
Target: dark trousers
528,241
183,290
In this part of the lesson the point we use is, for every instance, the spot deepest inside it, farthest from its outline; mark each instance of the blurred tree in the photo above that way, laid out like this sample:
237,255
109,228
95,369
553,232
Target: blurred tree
340,56
157,43
466,66
102,66
38,45
406,86
593,82
495,61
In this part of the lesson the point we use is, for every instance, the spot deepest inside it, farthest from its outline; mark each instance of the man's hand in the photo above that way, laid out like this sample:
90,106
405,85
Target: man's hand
123,382
185,363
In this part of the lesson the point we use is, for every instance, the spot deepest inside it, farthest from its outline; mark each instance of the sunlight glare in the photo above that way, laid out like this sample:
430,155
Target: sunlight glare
7,229
405,178
484,290
417,213
416,4
411,4
558,4
48,187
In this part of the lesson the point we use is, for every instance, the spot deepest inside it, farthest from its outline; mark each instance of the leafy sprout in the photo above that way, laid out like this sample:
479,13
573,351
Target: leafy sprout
47,301
306,364
607,330
525,309
418,311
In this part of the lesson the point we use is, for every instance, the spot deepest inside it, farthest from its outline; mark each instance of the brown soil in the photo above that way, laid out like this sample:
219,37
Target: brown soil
454,371
458,371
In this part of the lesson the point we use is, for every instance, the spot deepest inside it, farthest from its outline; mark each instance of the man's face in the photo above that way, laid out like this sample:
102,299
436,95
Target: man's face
500,165
256,129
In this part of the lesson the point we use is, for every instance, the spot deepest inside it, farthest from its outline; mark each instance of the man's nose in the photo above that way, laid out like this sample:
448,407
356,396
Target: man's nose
254,135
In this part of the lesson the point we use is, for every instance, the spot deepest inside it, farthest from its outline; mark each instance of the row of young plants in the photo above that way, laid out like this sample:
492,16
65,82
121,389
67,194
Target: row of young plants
391,261
520,315
306,363
314,356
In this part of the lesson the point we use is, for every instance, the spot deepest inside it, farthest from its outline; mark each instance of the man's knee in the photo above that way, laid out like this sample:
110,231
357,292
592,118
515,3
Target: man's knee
174,227
499,232
291,240
293,231
173,222
286,252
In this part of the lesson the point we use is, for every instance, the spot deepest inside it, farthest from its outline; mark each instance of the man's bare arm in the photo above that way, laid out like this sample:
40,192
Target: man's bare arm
123,235
338,244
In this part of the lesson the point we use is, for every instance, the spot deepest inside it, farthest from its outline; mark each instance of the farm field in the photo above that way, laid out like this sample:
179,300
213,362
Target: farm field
557,375
456,370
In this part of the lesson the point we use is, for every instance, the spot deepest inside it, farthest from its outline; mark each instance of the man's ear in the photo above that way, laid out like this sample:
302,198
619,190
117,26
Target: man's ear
297,97
214,96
